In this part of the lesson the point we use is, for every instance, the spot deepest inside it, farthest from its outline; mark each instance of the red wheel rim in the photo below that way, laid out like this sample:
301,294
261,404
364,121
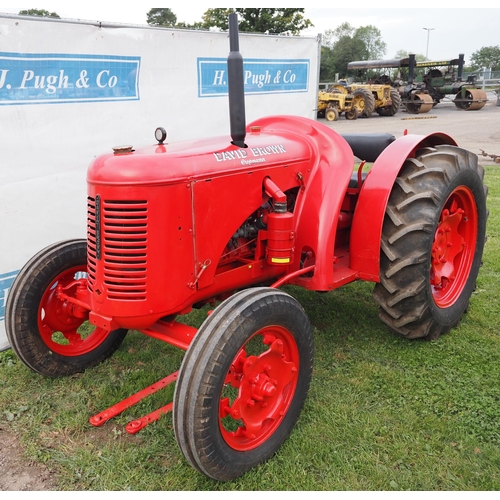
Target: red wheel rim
59,327
454,247
262,388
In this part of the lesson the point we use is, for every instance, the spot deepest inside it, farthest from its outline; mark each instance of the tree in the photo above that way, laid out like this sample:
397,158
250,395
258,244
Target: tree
345,44
161,17
275,21
486,57
195,26
372,38
39,12
374,46
327,65
331,36
403,54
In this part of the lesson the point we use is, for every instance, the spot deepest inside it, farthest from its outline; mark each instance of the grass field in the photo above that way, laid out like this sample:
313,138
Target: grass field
383,413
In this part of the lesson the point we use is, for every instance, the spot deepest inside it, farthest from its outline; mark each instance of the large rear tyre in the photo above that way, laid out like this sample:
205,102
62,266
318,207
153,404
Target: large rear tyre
49,334
243,382
364,102
432,242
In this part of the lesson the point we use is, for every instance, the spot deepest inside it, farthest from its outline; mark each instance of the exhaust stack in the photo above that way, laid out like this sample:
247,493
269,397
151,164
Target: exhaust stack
236,89
411,68
460,67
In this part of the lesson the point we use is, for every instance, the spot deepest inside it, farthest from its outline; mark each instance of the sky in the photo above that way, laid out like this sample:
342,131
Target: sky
451,30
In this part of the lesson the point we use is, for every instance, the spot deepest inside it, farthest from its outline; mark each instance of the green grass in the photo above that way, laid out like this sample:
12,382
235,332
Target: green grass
383,413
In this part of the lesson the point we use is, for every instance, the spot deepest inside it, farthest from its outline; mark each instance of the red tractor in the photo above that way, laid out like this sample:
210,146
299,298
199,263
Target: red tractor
228,220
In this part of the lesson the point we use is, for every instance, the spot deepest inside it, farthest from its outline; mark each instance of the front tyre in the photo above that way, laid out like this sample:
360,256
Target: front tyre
432,242
49,334
243,382
352,114
332,114
364,102
394,107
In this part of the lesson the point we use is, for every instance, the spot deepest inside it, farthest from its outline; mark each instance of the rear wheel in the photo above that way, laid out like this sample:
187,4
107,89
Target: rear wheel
243,382
432,242
51,335
473,99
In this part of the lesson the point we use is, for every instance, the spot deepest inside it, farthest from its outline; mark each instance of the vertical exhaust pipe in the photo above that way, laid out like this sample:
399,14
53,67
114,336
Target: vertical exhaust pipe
460,67
236,88
411,68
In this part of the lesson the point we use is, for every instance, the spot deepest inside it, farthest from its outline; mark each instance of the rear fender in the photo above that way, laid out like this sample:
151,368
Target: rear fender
366,231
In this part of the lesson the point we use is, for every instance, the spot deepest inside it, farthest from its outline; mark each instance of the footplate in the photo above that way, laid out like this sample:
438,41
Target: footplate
137,425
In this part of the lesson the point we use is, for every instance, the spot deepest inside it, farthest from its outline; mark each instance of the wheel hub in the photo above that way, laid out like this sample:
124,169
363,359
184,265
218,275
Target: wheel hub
448,243
453,248
265,386
59,320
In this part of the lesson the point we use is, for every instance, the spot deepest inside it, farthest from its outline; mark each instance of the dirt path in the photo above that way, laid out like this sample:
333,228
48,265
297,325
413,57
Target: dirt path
17,474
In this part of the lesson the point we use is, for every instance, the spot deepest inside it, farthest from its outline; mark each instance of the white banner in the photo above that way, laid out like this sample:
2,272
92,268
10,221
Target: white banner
71,90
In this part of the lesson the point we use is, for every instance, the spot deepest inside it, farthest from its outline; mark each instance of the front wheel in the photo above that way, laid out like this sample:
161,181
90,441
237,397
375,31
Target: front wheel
243,382
394,107
352,114
432,242
49,334
419,103
364,102
332,114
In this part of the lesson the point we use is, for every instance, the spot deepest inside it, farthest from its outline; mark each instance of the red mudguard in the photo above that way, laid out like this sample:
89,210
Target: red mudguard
368,219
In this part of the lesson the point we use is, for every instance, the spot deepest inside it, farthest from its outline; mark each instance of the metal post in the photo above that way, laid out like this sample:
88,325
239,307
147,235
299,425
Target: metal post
427,52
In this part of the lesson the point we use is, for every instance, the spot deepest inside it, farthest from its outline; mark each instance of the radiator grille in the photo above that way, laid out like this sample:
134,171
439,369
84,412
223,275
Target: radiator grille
118,237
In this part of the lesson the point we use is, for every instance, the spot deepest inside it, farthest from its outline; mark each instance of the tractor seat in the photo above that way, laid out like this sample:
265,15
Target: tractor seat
366,147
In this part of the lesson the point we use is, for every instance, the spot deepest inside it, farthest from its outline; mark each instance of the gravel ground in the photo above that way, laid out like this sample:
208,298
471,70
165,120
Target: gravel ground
473,130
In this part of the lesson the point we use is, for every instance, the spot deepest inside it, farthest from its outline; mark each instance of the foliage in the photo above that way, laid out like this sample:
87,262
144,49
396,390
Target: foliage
39,12
165,17
372,38
486,57
161,17
402,54
335,60
259,20
345,44
198,25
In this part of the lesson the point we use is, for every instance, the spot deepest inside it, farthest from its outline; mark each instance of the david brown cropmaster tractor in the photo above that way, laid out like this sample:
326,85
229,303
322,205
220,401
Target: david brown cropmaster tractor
228,220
